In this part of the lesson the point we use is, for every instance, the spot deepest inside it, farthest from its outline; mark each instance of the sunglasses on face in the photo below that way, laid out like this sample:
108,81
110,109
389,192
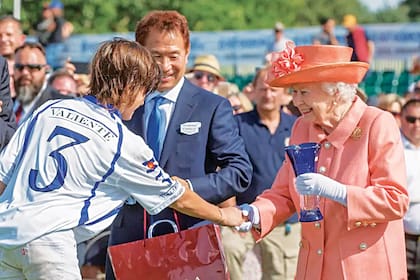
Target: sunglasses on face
198,75
411,119
31,67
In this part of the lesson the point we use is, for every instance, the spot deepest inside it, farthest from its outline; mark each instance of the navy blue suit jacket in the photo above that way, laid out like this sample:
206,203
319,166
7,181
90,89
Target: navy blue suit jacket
7,117
195,157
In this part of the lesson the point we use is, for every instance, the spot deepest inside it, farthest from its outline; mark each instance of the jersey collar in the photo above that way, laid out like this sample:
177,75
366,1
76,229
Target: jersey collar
110,108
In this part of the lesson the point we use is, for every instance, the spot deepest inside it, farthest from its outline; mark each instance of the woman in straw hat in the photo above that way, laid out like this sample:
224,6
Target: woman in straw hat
361,174
205,72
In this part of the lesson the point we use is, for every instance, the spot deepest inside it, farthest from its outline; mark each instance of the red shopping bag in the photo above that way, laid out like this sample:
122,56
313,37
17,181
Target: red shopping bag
195,253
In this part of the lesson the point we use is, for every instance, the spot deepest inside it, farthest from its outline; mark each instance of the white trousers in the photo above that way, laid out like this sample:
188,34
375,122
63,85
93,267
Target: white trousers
53,256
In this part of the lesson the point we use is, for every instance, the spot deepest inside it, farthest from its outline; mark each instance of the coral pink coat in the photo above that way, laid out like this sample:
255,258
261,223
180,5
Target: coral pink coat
364,240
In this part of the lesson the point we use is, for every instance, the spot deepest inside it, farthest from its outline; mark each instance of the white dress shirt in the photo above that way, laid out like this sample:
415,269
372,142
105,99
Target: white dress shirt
412,162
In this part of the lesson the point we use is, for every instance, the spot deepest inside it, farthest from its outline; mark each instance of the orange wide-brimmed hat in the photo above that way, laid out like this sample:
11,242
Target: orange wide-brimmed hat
314,64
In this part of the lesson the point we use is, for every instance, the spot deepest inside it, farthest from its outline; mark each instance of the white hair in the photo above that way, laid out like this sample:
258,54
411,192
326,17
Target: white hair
346,91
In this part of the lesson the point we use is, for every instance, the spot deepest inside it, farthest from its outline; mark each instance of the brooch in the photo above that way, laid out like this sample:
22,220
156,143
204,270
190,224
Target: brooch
357,133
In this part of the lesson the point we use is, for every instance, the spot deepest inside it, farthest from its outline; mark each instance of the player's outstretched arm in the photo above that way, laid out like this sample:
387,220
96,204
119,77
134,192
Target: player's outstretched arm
193,205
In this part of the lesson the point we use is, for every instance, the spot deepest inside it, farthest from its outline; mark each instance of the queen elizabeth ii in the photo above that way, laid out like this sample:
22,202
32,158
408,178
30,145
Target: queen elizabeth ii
360,179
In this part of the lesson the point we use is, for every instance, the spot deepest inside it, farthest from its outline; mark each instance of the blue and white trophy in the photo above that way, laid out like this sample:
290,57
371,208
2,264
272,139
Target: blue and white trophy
303,158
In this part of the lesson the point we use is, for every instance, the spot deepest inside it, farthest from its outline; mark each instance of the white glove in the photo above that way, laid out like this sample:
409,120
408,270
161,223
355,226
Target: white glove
253,215
318,184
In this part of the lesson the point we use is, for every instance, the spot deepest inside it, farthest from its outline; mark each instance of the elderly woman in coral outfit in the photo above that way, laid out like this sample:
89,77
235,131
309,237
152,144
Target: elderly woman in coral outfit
360,175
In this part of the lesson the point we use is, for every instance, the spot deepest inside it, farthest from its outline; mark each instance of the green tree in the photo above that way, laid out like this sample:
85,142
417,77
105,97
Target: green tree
400,14
99,16
413,9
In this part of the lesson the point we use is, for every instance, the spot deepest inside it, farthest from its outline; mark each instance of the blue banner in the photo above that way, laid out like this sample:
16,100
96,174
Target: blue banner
241,51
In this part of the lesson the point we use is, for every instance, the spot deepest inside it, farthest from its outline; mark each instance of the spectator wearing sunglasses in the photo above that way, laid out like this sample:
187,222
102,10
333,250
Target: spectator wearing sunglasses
31,80
410,134
205,72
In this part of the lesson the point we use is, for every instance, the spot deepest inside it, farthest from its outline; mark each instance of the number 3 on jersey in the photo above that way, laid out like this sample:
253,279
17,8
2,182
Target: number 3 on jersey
61,161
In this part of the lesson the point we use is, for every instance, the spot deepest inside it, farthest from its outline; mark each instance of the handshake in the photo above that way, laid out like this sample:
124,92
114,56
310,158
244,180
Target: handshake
243,217
252,218
306,184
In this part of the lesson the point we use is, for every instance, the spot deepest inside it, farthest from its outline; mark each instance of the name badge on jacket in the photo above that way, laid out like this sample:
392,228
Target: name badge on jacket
190,128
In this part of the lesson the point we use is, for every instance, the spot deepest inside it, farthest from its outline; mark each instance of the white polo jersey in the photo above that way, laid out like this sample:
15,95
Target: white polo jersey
71,166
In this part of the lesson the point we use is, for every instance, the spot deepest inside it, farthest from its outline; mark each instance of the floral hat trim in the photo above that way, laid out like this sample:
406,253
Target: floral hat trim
313,63
286,61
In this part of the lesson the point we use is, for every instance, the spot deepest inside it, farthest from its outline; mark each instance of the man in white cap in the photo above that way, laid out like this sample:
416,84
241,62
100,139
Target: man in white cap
205,72
279,38
279,43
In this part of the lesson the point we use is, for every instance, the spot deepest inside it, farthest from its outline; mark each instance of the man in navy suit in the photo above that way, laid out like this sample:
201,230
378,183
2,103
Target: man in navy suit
201,144
7,118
